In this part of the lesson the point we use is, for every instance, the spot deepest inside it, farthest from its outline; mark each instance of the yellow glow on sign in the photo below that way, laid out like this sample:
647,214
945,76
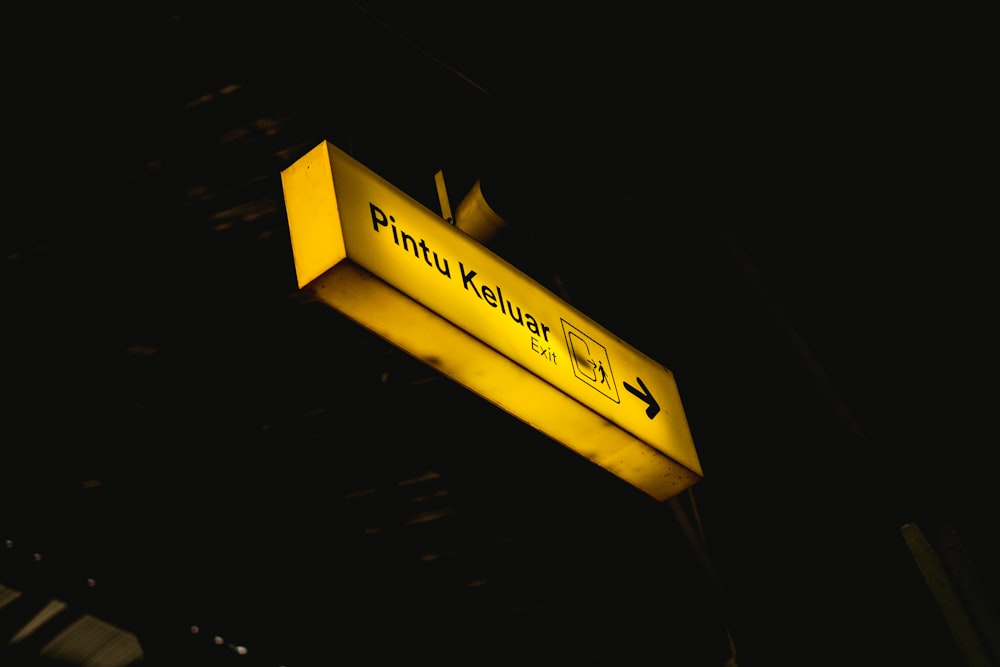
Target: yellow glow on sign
381,258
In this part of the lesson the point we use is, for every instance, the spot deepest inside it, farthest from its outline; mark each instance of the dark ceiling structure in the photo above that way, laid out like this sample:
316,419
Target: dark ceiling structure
788,208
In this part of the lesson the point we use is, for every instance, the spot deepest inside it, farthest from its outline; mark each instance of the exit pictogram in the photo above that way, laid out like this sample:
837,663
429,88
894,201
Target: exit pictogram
590,361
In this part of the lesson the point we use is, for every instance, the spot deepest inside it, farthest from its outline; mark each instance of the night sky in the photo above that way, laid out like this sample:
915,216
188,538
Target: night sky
789,209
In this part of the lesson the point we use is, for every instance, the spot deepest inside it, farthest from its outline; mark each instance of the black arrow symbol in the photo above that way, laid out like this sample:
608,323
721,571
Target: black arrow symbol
645,396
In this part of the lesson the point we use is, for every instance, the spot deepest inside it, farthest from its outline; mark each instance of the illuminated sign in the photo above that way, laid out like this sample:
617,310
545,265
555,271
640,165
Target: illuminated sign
372,252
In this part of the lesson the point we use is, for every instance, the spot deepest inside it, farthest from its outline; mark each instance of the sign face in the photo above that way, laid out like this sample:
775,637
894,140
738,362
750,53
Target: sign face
343,215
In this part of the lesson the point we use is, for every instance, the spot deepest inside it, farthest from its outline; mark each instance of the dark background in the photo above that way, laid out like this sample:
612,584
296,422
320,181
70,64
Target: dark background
791,209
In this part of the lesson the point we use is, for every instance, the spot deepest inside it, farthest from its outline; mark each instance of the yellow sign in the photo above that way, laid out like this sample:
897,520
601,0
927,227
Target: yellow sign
372,252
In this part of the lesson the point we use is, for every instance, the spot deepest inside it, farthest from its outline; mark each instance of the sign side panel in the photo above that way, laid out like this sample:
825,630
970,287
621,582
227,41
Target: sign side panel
313,217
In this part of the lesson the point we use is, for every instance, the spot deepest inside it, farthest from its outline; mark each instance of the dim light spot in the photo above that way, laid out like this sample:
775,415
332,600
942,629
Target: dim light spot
429,475
425,517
